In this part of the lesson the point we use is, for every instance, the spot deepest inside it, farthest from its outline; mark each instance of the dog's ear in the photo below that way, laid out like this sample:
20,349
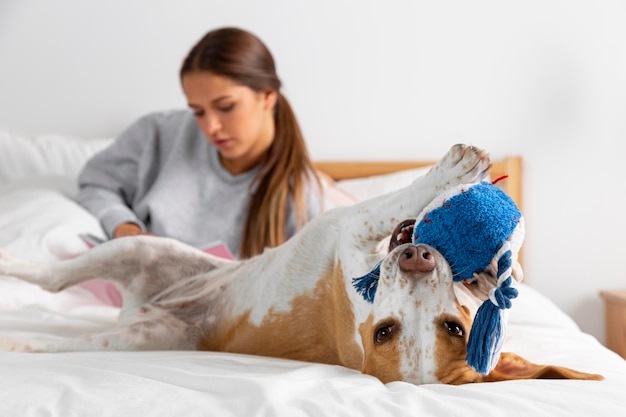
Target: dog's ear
512,366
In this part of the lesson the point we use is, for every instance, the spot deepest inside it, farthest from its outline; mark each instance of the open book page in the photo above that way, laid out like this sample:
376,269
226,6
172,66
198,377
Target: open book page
217,249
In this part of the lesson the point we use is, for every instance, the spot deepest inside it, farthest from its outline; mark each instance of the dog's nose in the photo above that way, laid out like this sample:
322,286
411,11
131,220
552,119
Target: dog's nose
416,258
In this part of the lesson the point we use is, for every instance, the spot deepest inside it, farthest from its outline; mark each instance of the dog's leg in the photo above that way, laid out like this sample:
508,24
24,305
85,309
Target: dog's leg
146,328
142,266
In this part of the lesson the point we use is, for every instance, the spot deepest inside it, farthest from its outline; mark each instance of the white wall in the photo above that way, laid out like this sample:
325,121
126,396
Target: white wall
398,79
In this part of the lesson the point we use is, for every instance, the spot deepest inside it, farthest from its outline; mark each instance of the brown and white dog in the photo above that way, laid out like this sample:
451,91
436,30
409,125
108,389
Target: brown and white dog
297,301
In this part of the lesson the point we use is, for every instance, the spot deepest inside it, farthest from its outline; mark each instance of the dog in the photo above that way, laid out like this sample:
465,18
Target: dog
297,301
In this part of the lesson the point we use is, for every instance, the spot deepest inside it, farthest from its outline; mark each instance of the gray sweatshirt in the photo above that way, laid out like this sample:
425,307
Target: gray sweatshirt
164,175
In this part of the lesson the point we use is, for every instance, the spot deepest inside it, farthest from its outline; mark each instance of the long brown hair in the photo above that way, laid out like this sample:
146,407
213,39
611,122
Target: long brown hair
242,57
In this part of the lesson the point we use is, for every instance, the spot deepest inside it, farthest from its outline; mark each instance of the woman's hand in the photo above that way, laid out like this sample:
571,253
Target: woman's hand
128,229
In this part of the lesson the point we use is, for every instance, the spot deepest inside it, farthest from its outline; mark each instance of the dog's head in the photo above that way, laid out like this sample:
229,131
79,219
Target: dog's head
420,320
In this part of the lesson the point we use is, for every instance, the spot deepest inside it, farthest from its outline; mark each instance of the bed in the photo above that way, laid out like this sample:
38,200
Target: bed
39,221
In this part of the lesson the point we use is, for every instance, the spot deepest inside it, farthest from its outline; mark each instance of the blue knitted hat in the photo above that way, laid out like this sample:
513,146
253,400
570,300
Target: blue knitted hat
471,226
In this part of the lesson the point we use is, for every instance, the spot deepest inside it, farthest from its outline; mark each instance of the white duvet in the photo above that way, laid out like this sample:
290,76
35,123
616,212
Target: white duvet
38,220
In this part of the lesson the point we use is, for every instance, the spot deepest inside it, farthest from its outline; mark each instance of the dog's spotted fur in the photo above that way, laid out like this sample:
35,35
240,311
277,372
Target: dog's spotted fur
296,301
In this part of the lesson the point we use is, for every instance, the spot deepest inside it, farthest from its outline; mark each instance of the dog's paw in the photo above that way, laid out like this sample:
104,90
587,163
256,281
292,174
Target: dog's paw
462,164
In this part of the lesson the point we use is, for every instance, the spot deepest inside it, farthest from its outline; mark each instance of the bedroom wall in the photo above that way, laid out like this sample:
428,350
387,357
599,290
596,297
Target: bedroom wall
399,79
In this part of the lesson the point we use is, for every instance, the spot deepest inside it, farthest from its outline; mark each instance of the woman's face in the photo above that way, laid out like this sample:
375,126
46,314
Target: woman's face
236,119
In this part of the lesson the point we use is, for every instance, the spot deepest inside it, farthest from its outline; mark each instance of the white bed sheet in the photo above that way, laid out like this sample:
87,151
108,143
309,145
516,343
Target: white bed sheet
39,221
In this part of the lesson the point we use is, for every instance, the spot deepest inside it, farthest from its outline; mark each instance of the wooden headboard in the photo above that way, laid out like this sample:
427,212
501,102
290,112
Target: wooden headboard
510,166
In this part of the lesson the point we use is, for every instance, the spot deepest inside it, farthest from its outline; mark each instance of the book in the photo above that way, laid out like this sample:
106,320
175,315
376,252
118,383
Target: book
91,240
217,249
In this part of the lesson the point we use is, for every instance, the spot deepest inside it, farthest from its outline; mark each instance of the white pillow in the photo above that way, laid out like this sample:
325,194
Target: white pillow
368,187
22,157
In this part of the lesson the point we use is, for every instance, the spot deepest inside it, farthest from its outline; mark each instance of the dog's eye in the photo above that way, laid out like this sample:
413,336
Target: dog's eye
384,333
454,328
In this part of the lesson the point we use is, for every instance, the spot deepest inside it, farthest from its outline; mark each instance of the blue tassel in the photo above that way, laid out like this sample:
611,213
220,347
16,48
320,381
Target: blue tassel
483,345
487,333
368,284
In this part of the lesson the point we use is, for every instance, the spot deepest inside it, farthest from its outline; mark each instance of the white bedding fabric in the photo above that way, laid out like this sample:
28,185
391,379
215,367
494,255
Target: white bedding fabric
38,220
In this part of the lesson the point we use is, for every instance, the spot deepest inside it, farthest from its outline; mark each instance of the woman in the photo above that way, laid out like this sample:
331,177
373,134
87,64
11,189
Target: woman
235,169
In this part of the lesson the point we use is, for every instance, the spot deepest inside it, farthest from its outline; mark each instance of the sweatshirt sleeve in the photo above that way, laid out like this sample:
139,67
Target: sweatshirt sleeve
114,180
